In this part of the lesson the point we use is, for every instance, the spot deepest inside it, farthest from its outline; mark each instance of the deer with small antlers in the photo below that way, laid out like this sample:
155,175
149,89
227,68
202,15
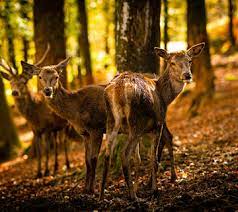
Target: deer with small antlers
136,104
45,124
84,109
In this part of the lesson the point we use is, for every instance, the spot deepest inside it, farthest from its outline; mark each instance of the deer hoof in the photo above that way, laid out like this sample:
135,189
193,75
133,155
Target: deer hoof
173,178
88,191
47,173
155,194
39,175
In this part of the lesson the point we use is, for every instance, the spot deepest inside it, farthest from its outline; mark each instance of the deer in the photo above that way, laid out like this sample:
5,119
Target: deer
84,109
45,124
136,104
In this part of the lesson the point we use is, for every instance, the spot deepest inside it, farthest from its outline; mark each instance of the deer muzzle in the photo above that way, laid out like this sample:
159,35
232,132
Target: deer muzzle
48,91
187,77
15,93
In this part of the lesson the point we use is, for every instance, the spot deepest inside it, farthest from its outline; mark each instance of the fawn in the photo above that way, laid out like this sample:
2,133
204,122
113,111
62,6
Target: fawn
136,104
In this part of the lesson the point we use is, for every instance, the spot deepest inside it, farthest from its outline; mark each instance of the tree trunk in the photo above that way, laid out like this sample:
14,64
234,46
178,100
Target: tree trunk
83,40
8,136
231,14
49,28
166,17
137,33
9,34
25,40
202,69
107,24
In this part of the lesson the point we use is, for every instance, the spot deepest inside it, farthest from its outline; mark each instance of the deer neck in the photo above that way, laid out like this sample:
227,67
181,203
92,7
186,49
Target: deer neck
169,86
61,102
25,103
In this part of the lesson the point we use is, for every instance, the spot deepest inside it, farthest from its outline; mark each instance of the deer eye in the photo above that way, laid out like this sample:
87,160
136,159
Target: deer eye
56,77
40,77
173,63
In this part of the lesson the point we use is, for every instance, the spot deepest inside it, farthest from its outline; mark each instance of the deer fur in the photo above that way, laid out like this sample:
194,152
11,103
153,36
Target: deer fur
84,109
136,104
45,124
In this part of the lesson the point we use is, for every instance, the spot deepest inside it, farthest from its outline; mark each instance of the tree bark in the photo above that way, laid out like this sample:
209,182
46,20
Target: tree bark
9,34
49,28
166,17
83,40
106,11
231,14
25,40
137,33
8,136
202,69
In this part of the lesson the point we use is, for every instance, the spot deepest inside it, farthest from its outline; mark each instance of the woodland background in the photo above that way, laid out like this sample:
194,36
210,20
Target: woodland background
96,34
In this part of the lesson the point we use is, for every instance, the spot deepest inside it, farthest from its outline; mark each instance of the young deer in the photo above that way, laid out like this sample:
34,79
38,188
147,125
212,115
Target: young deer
84,109
45,124
136,104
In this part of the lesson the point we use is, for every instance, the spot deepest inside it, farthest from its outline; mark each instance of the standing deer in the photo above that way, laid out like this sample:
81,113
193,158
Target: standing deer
84,109
136,104
45,124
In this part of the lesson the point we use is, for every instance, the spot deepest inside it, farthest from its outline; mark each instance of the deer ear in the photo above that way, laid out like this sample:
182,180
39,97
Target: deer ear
5,75
162,53
60,66
30,69
196,50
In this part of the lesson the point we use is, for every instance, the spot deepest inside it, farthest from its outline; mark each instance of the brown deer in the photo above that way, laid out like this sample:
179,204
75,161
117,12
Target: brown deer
84,109
45,124
136,104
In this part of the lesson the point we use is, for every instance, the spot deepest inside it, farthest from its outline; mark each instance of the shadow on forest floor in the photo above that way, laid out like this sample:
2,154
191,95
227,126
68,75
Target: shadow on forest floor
206,155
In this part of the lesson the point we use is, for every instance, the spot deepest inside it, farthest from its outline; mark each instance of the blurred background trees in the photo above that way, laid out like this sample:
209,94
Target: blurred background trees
101,35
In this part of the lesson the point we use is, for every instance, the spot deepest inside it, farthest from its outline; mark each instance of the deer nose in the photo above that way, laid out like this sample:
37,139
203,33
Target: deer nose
48,91
187,76
15,93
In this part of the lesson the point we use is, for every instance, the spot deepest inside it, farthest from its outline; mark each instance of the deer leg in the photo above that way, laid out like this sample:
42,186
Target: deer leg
88,164
110,141
169,143
38,152
96,141
126,155
154,158
45,138
56,138
65,140
137,162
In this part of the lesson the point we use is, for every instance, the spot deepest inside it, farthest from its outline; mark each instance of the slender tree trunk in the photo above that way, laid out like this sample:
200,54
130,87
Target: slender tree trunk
137,33
202,69
83,40
231,14
166,17
8,136
107,21
25,40
49,28
9,34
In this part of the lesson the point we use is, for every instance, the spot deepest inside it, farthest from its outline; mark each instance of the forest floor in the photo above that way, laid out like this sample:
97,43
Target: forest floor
206,156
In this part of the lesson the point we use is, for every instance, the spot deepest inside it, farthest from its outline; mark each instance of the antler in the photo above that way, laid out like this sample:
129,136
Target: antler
6,66
44,56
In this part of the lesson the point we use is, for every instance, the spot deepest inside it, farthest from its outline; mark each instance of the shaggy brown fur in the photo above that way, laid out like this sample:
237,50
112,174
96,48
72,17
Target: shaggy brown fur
45,124
137,104
84,109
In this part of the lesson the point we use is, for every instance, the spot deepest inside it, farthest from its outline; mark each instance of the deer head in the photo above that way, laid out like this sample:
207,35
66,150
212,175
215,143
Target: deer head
48,75
18,81
179,63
